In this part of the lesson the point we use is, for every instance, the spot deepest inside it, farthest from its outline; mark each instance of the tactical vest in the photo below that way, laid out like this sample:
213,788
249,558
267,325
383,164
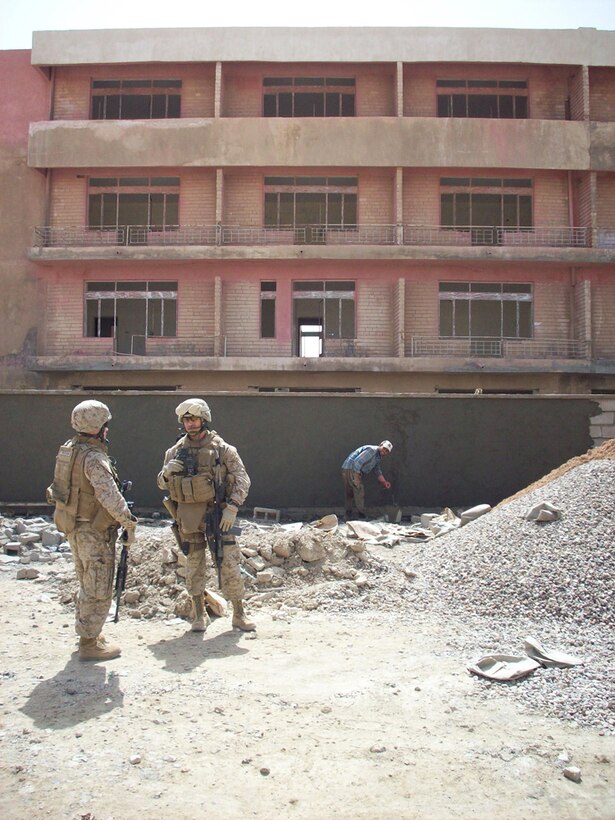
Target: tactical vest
196,484
72,493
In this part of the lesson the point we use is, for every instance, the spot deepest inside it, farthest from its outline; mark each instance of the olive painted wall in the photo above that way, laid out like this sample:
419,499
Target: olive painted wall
448,451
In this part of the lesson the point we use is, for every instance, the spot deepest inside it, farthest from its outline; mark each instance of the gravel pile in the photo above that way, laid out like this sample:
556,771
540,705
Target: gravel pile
503,578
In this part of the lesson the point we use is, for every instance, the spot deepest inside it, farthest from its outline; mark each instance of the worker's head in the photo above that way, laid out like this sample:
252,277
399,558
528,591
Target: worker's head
193,415
90,418
385,447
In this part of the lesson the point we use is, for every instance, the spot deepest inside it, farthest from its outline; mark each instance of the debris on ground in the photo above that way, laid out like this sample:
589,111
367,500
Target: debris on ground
500,574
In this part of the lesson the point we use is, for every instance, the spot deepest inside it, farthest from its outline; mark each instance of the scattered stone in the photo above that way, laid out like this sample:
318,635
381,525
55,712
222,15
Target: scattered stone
573,773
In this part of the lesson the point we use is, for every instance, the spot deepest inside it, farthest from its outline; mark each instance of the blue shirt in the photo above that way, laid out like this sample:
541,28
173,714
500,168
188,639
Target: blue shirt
364,459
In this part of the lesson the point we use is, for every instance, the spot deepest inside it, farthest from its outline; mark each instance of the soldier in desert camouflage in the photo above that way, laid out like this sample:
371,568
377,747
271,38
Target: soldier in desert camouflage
189,480
89,510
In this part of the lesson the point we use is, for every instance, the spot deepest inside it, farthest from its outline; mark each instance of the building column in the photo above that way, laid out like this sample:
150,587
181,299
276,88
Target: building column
218,91
219,195
400,318
219,340
399,91
399,205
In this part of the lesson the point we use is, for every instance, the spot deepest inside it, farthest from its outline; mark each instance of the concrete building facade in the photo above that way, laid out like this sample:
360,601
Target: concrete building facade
360,210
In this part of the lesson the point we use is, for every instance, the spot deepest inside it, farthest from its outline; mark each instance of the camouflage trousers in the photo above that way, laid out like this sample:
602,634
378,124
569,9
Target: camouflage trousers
232,586
94,556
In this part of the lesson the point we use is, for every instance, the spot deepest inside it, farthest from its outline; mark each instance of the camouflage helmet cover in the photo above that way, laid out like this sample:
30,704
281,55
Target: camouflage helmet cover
193,407
89,416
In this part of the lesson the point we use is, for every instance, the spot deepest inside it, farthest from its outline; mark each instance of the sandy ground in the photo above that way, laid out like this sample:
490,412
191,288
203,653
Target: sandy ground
317,716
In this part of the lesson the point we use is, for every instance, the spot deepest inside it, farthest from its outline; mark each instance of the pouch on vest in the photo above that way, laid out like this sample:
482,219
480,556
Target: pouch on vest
191,489
59,490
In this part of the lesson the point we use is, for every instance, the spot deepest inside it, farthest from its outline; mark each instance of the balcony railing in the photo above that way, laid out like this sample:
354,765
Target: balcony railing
553,237
493,347
371,234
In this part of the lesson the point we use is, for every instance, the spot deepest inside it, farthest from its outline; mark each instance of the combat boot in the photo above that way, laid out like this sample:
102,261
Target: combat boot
201,618
97,649
239,618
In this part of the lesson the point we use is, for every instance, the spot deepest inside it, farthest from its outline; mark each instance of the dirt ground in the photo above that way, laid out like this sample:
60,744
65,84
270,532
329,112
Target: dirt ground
357,715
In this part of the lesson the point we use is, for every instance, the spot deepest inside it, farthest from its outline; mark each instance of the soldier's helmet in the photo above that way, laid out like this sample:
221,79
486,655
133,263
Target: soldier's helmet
193,407
89,416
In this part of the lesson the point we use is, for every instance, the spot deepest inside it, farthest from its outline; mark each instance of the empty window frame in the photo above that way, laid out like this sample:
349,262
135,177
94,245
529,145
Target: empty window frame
123,201
308,97
136,99
298,201
485,202
483,309
129,310
268,293
498,99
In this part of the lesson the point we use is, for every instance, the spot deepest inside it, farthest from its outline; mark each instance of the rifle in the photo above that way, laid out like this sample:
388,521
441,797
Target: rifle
171,507
213,522
122,567
120,577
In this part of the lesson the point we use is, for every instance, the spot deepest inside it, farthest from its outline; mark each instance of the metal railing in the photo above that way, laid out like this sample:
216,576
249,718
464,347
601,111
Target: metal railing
554,237
371,234
493,347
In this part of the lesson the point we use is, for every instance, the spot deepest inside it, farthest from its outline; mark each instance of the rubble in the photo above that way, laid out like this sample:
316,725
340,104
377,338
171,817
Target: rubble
504,574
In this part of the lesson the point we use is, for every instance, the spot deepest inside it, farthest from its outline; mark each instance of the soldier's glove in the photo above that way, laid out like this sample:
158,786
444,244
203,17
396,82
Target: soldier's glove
173,467
229,514
129,534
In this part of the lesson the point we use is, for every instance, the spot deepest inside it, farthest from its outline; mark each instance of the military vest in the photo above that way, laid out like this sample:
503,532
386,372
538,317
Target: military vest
71,492
196,483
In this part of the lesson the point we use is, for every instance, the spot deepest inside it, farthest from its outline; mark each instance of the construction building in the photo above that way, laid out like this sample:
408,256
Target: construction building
382,210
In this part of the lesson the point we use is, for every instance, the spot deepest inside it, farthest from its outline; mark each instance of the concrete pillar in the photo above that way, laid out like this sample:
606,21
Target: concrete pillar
399,89
218,91
399,205
219,341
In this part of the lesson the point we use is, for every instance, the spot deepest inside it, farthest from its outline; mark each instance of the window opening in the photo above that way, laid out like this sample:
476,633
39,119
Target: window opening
136,99
116,203
311,203
308,97
323,312
481,310
268,294
130,312
482,204
499,99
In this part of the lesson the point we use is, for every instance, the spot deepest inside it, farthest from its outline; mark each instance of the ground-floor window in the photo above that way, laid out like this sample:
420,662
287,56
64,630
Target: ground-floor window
484,309
322,311
130,312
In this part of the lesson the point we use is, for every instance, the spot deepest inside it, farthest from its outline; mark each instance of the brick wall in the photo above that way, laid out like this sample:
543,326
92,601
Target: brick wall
582,296
243,198
68,198
551,199
73,85
547,86
551,310
577,90
375,318
197,200
421,196
583,200
421,309
601,96
195,310
376,198
375,96
603,331
605,184
242,94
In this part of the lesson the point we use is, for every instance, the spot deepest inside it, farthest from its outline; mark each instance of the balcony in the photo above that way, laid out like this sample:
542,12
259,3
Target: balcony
75,236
